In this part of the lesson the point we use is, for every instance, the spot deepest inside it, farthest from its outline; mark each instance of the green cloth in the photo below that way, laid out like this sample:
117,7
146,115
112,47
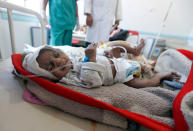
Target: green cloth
62,20
61,38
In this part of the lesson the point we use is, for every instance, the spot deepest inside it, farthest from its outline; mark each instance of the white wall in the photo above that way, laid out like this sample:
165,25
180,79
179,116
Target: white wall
143,15
147,17
190,42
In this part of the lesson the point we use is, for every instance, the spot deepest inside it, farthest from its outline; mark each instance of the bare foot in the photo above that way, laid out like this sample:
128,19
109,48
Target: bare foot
137,50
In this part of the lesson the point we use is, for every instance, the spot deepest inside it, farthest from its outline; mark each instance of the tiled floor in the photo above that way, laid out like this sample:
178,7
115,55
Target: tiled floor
18,115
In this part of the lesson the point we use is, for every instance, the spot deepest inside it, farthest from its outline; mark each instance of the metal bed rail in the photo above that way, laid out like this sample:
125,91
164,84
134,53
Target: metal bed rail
10,7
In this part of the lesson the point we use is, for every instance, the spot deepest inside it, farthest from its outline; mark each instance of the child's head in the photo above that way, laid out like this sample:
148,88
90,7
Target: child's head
47,62
54,61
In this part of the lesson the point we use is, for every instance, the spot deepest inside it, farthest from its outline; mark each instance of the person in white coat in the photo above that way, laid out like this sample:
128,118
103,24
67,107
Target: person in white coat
100,17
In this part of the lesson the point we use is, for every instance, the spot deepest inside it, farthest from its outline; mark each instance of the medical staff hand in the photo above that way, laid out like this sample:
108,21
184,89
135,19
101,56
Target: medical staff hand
77,27
117,22
90,52
89,20
45,19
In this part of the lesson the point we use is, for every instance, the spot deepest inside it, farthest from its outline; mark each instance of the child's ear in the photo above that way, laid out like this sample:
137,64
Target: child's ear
23,56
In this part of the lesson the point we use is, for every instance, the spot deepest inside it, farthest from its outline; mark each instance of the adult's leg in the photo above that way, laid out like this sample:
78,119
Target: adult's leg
67,37
87,44
57,37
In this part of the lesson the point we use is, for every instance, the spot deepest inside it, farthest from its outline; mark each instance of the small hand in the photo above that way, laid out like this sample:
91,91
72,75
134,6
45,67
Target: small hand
90,52
171,76
142,40
77,27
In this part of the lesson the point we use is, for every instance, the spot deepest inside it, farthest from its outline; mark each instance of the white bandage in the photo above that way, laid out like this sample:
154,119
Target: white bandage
30,64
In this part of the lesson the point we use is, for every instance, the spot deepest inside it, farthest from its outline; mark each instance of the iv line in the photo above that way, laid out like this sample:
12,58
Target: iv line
162,26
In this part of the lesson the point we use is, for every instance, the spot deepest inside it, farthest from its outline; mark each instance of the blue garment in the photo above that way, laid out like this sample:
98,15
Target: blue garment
62,20
85,60
173,84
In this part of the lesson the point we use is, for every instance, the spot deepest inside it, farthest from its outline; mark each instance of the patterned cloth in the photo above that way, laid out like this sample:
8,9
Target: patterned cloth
126,69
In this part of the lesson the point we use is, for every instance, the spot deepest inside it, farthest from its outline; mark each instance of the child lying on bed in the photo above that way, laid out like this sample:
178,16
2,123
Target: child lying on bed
92,72
118,49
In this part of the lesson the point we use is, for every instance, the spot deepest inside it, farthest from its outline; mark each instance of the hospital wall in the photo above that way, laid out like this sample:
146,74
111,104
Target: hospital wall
172,19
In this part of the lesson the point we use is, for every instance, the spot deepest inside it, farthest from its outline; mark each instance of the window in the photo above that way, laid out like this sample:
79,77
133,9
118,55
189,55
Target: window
30,4
33,5
16,2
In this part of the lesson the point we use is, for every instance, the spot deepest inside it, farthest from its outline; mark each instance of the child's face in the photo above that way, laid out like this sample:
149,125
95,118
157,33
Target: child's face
55,62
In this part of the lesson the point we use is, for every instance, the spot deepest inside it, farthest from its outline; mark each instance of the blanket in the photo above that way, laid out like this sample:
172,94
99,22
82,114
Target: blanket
172,60
153,102
187,109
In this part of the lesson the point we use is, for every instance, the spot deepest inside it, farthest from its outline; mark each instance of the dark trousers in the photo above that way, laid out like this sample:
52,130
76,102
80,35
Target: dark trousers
86,44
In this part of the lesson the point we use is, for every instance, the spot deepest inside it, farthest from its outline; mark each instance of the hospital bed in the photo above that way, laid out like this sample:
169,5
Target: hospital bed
152,124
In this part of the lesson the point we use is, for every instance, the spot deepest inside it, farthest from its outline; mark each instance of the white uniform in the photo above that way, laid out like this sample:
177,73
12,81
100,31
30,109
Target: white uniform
104,12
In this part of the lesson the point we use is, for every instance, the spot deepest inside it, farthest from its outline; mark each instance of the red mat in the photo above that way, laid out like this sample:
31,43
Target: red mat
180,123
